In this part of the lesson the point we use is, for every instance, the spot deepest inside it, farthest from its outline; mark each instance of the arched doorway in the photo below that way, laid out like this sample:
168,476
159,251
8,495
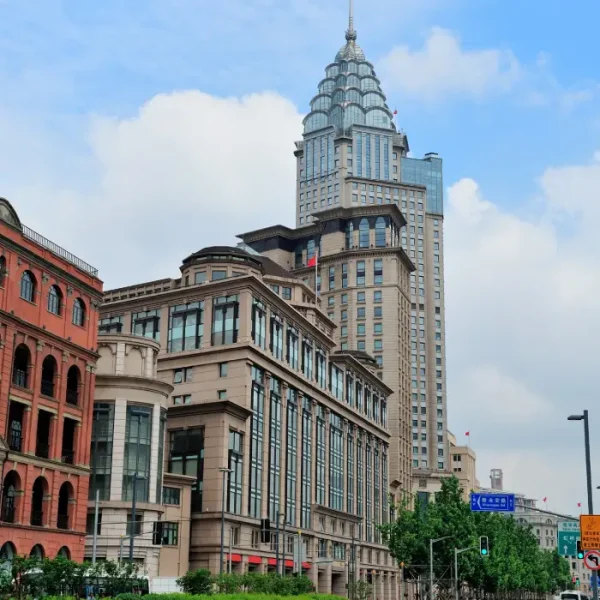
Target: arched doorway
64,552
37,552
12,485
40,485
64,496
7,553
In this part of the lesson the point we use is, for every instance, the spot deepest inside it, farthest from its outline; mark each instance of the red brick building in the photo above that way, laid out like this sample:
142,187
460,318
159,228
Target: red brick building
49,303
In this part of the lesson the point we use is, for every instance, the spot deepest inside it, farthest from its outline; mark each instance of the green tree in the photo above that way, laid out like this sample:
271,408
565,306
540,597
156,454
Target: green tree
196,582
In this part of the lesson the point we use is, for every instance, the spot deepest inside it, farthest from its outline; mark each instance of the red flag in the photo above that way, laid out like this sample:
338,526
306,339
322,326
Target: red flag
579,504
545,499
395,112
312,262
467,433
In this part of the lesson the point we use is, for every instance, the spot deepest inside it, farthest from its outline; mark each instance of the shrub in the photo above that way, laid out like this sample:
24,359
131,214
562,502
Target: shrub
196,582
127,596
229,583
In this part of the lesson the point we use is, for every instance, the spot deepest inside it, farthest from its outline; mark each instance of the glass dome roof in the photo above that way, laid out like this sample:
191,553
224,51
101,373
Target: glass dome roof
350,94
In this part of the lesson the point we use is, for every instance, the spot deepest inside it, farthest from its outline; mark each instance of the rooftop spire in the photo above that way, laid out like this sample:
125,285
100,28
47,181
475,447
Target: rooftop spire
351,33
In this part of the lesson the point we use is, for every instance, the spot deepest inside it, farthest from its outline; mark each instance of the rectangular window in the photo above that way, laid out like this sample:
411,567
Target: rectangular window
306,475
136,462
235,482
360,273
361,312
321,368
259,323
349,388
320,462
171,496
102,445
291,454
276,341
182,399
344,276
292,347
360,329
218,274
182,375
133,528
332,278
344,315
89,524
274,449
200,277
286,293
336,381
344,299
368,497
109,324
165,534
378,312
186,457
378,271
336,460
146,324
225,320
307,359
378,327
256,445
360,297
359,485
350,473
223,369
186,326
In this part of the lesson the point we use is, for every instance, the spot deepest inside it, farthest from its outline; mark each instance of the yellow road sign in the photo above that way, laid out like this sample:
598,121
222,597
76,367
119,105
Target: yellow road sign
590,532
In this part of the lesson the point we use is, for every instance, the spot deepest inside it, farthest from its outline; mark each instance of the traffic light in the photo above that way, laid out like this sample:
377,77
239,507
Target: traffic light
579,550
484,546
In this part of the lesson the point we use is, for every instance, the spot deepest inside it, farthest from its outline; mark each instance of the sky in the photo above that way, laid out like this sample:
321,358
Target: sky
120,123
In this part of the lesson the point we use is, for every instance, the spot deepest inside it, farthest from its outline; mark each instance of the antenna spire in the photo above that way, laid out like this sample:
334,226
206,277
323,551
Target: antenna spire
351,33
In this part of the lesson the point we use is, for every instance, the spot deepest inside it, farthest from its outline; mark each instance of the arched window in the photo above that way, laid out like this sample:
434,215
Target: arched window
380,232
73,379
37,552
349,235
79,312
48,375
64,552
2,270
40,485
64,494
363,233
28,286
12,484
7,552
54,300
21,361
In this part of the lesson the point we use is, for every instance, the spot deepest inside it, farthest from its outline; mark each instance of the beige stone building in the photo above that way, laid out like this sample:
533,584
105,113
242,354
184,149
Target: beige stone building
352,155
127,448
262,391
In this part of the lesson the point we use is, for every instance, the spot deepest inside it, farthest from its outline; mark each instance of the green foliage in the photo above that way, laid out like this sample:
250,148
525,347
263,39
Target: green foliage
229,583
276,584
196,582
360,590
128,596
515,561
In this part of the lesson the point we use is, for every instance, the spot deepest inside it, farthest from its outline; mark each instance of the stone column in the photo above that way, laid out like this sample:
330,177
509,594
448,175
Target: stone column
27,433
282,480
345,427
299,450
313,490
313,572
266,445
327,460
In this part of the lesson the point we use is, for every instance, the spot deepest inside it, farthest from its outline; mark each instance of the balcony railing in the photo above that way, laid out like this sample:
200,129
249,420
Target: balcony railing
72,396
8,514
20,378
62,522
56,249
15,440
42,449
47,388
68,456
37,518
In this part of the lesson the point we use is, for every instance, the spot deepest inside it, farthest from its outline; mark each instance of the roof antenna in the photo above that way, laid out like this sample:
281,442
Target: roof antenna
351,33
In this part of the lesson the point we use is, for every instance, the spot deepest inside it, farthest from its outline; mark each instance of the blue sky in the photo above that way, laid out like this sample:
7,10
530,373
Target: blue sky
120,122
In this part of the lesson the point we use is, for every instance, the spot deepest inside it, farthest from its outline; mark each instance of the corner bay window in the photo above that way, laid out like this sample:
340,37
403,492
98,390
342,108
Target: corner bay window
259,323
290,462
321,368
225,320
306,475
236,455
274,449
136,464
336,382
110,325
276,341
292,347
307,358
186,326
186,457
146,324
101,457
336,468
320,468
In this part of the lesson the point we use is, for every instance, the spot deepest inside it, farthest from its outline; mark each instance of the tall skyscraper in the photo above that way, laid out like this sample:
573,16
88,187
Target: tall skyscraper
352,155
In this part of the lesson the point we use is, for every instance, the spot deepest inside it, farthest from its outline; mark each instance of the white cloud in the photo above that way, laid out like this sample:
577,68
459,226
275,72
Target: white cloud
443,68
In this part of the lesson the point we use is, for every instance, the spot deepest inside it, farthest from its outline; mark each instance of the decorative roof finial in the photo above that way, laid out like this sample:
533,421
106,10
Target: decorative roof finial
351,33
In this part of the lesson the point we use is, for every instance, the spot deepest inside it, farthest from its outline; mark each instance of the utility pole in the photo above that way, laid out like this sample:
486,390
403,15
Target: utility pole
224,472
431,543
277,545
456,553
121,549
96,515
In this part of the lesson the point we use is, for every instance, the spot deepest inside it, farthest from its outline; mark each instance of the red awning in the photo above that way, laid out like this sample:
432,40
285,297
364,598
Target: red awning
289,563
272,562
254,560
235,557
306,565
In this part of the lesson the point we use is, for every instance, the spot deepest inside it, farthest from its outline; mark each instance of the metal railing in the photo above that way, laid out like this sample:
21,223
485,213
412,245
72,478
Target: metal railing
15,440
56,249
47,388
20,378
72,396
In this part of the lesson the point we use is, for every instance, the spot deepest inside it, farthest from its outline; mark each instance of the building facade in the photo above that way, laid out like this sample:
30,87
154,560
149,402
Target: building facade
268,413
48,330
353,156
127,449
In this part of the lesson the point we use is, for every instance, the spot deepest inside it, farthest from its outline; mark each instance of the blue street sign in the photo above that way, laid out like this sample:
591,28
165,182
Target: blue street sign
492,502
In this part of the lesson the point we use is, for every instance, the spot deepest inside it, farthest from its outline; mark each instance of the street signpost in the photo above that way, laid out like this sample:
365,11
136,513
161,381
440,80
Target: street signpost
592,560
590,531
492,502
568,534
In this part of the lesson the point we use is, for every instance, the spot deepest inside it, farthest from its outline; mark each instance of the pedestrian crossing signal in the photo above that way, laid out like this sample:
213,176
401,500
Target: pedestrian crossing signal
579,550
484,546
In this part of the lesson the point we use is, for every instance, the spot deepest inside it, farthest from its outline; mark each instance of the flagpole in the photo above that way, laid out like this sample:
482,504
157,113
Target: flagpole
316,272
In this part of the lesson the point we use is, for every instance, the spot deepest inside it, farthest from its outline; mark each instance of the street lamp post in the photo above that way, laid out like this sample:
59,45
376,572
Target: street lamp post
588,471
224,471
431,543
